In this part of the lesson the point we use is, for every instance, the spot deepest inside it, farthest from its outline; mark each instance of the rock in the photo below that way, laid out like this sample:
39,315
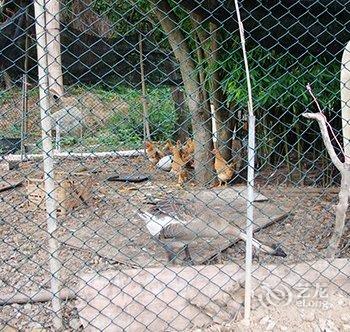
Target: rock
283,328
345,317
270,326
264,320
165,163
316,327
27,306
343,302
346,327
7,328
322,323
308,315
327,325
75,324
288,225
331,326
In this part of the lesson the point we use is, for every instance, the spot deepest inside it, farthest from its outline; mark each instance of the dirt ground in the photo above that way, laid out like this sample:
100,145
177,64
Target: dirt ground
331,315
111,212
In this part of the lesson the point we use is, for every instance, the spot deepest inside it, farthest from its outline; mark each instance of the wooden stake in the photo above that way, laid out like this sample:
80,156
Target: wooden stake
146,130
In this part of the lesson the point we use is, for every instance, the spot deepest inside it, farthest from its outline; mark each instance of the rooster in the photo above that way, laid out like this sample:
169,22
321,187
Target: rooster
178,166
224,170
153,153
188,151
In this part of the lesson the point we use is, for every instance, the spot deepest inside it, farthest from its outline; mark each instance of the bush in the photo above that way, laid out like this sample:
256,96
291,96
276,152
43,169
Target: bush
124,129
161,116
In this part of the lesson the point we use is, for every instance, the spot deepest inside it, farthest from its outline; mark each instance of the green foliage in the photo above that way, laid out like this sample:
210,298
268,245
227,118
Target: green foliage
279,80
69,140
161,115
128,17
124,129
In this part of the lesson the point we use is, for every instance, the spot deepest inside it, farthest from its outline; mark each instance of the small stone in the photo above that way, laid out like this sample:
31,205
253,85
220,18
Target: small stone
7,328
331,326
346,327
283,328
270,326
316,328
345,317
322,323
308,316
27,306
342,302
75,324
264,320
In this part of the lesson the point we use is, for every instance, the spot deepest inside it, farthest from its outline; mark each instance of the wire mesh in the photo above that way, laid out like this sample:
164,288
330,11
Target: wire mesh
148,132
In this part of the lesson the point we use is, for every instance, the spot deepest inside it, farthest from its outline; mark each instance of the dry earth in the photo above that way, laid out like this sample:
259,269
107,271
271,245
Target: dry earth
304,235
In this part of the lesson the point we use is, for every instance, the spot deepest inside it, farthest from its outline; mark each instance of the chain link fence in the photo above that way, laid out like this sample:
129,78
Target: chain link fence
124,160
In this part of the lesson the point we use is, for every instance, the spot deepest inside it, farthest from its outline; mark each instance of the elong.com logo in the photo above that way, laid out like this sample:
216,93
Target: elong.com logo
304,296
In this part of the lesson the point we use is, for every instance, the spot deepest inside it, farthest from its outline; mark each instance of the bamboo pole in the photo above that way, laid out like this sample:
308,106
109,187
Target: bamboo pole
146,130
74,155
52,16
250,178
51,202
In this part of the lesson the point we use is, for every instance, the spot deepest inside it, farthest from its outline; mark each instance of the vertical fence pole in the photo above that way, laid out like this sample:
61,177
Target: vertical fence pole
52,16
250,178
345,100
51,203
24,114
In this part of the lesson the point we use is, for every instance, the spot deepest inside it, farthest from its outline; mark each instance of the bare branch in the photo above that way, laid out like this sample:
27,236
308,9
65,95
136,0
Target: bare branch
340,215
320,118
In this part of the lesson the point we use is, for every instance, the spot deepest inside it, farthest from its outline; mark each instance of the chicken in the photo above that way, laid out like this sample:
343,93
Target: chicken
178,166
153,153
166,150
173,219
224,170
188,151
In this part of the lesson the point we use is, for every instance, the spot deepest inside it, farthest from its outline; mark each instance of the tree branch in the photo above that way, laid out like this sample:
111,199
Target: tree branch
326,140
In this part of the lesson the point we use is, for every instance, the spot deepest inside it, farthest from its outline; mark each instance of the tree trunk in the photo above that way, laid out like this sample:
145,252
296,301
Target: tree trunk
201,117
7,80
183,123
223,116
201,38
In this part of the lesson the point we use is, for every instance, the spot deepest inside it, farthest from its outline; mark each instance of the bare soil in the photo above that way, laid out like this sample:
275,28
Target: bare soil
111,213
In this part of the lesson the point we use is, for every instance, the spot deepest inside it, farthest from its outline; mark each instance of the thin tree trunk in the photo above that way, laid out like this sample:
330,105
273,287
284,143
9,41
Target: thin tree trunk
147,132
200,38
223,116
7,80
52,17
201,117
